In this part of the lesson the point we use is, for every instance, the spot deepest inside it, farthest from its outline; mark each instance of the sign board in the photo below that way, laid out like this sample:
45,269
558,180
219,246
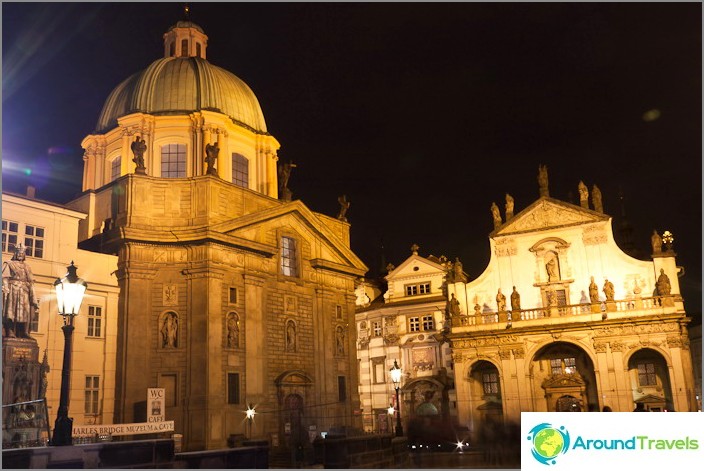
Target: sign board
123,429
156,403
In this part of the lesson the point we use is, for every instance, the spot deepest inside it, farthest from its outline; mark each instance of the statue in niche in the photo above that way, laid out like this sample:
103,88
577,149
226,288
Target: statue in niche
211,158
496,215
656,242
19,302
608,290
500,301
284,176
662,285
340,341
593,292
139,147
543,180
169,331
344,206
453,306
290,336
233,330
515,300
596,199
583,194
509,206
551,269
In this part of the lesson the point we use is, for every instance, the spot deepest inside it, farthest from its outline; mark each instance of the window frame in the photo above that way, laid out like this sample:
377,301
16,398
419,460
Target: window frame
651,377
289,259
92,395
8,234
234,394
240,168
115,168
417,289
428,322
174,149
414,324
97,321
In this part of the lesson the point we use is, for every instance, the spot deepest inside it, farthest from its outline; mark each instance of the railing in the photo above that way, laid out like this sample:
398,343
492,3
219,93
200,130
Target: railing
25,424
640,304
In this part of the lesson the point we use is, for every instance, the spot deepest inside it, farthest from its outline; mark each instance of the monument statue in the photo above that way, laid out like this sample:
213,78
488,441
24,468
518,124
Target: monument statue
453,306
596,199
515,300
233,331
509,206
583,195
139,147
608,290
662,285
656,242
211,158
284,177
496,215
169,331
543,180
340,341
458,271
344,206
551,269
290,336
500,301
19,302
593,292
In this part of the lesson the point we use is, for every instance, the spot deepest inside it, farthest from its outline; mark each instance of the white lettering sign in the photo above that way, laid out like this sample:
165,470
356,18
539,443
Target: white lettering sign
123,429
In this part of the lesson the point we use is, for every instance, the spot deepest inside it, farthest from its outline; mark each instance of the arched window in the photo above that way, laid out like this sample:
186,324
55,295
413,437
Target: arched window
184,47
240,170
173,161
115,167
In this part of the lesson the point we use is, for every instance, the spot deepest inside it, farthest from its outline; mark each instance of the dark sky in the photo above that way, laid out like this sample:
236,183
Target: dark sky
423,114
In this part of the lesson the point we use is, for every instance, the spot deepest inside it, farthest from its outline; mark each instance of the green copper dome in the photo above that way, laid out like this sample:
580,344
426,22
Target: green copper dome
181,85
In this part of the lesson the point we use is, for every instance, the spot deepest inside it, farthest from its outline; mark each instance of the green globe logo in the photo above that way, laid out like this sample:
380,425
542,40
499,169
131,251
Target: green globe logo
548,442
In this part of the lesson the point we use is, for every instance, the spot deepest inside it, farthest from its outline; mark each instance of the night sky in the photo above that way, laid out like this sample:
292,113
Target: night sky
422,114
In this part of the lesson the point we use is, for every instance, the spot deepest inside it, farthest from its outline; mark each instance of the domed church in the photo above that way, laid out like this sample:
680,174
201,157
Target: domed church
231,293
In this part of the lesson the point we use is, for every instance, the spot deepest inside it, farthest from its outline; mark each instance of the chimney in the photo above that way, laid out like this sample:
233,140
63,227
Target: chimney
31,191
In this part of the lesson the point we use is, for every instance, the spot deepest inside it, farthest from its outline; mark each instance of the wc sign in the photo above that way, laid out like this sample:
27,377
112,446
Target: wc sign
155,404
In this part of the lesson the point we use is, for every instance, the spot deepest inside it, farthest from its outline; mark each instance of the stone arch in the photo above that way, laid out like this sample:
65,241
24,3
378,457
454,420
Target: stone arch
168,330
649,375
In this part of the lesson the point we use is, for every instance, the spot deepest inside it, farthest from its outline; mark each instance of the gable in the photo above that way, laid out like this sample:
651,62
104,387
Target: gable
415,266
548,213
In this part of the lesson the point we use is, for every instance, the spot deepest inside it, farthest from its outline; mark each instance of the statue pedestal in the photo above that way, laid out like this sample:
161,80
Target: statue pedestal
610,306
668,301
596,308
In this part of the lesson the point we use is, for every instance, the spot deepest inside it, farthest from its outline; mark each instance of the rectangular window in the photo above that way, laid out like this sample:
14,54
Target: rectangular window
421,288
376,329
233,388
9,235
289,257
414,324
338,311
379,373
34,241
173,161
115,167
560,366
95,321
561,297
490,382
91,393
646,374
233,296
341,388
428,323
240,170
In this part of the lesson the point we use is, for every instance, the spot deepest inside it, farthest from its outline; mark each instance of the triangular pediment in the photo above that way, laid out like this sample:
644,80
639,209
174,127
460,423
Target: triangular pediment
415,266
334,254
548,213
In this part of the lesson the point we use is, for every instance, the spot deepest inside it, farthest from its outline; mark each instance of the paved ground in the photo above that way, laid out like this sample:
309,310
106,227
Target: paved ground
467,460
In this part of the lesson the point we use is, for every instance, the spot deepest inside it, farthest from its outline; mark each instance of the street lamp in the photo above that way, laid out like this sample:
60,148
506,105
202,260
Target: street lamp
69,295
250,417
396,373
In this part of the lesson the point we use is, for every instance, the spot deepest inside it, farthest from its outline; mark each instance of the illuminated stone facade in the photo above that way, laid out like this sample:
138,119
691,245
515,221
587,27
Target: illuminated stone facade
228,295
564,346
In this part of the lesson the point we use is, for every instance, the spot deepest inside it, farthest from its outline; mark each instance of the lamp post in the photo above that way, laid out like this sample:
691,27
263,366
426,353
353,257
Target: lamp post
69,295
390,413
396,373
250,418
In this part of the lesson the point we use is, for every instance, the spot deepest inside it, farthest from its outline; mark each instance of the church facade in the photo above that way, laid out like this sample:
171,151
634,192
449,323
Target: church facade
563,320
231,293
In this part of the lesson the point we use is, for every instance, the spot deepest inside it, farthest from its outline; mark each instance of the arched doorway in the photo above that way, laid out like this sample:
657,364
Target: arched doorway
650,380
488,413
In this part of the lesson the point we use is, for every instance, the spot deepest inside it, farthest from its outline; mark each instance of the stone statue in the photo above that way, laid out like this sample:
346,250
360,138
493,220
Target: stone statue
543,180
340,341
656,242
290,336
458,271
284,176
496,215
608,290
43,372
453,306
583,195
19,302
662,285
500,301
139,147
344,206
233,331
593,292
515,300
551,269
596,199
211,158
477,310
169,331
509,206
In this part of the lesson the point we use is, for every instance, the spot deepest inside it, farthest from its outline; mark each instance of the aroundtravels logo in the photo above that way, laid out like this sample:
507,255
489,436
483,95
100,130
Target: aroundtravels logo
548,442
